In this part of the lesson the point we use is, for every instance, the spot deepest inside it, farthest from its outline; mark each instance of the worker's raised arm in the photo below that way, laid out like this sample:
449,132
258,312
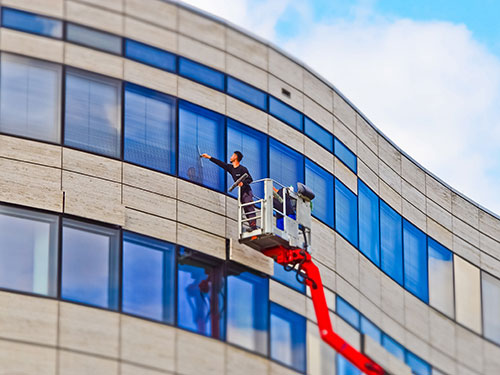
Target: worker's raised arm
217,161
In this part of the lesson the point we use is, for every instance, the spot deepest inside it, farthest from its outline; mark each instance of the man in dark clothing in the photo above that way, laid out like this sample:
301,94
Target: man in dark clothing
237,170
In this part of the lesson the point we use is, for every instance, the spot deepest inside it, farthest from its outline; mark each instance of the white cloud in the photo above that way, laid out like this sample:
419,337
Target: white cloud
429,86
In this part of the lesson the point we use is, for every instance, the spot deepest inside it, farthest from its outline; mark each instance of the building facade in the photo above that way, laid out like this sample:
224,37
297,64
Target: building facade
117,251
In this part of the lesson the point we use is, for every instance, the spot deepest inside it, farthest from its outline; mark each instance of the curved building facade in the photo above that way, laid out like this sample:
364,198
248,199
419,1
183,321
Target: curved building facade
117,242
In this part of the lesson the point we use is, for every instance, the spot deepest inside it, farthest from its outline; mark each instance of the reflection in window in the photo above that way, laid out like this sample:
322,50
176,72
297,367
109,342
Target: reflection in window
148,277
31,23
467,294
253,145
286,165
200,288
288,337
346,156
30,100
391,242
93,38
93,115
201,73
344,367
318,134
28,251
393,347
346,212
417,365
201,131
247,313
285,113
150,55
288,278
491,307
149,129
321,182
90,264
440,277
369,220
415,261
347,312
247,93
370,329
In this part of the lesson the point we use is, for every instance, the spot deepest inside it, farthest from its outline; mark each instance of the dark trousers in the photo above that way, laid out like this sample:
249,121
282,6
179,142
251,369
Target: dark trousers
247,197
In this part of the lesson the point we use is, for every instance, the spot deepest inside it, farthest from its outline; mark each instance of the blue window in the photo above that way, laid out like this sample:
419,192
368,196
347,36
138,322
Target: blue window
440,277
31,23
347,312
415,261
288,338
491,306
28,251
93,38
344,367
318,134
92,121
393,347
201,131
90,264
285,113
201,73
247,310
346,213
253,145
149,128
148,288
201,290
150,55
30,104
369,223
321,183
391,242
346,156
286,166
288,278
247,93
418,366
370,329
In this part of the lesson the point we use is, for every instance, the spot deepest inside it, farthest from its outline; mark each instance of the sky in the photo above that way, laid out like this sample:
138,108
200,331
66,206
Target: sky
426,73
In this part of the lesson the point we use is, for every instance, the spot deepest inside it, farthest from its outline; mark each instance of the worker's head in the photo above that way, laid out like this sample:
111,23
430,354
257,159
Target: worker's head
237,156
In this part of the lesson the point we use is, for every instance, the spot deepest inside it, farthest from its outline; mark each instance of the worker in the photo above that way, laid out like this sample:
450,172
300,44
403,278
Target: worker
237,170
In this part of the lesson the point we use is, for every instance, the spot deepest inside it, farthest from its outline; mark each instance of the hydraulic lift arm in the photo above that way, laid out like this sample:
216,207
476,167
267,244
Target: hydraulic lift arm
308,271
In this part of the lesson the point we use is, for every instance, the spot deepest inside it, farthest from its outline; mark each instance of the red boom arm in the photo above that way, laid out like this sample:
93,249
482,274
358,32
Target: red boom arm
313,279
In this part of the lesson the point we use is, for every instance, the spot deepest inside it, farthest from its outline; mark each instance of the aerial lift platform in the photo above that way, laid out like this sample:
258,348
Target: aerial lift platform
283,232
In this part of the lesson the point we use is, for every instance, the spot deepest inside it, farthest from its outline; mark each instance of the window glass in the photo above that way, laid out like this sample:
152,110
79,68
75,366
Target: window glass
150,55
149,129
286,166
31,97
93,113
391,242
148,278
318,134
344,367
253,145
415,261
418,366
31,23
491,307
346,156
90,264
467,294
346,212
288,337
93,38
440,277
320,356
247,93
28,251
247,312
200,291
393,347
370,329
201,131
201,73
285,113
288,278
321,183
369,223
347,312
